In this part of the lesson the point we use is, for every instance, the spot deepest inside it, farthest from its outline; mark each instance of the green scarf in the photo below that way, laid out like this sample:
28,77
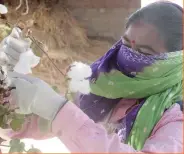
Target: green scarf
160,83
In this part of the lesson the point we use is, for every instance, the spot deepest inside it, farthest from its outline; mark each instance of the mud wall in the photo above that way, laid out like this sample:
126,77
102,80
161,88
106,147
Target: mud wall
103,19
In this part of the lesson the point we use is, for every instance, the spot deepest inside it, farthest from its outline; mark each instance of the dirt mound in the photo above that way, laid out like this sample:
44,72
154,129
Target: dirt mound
66,40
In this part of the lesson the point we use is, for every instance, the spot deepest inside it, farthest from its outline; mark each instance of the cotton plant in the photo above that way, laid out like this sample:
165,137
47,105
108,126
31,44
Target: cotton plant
77,76
9,118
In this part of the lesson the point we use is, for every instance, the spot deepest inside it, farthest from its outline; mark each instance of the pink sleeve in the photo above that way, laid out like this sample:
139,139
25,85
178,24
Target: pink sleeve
80,134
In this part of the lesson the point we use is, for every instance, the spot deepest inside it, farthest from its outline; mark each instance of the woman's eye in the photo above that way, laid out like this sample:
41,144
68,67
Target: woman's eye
143,52
126,44
139,50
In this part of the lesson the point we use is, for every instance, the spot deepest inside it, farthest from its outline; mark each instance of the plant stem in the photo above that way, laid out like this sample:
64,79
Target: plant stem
34,41
2,145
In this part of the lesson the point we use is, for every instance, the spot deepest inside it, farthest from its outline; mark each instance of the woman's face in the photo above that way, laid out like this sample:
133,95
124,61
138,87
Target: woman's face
144,38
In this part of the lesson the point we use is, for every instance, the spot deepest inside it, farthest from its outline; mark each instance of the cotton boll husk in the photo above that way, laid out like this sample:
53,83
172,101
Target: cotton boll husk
79,71
3,72
6,83
4,77
79,86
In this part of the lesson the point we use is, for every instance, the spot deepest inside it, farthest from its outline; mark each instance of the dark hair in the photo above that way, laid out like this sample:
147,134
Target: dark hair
167,17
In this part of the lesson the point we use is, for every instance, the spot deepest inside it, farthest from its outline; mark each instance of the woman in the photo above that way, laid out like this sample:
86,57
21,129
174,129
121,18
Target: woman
136,92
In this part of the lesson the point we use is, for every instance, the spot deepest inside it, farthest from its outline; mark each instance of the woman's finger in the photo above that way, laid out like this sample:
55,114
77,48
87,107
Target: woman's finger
18,45
15,75
11,52
16,32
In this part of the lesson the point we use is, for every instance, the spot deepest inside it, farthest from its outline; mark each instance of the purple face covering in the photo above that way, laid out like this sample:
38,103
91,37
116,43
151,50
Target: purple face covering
123,59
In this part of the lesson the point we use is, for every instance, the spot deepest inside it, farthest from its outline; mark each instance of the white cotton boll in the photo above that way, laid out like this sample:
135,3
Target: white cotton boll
85,87
79,71
3,9
79,86
73,86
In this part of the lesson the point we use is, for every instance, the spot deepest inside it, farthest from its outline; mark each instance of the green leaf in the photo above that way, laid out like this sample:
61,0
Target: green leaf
16,124
33,150
3,110
1,121
5,122
13,149
14,142
21,147
37,51
5,118
16,146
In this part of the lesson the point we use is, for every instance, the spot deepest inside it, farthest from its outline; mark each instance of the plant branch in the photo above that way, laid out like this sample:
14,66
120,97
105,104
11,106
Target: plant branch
2,145
34,40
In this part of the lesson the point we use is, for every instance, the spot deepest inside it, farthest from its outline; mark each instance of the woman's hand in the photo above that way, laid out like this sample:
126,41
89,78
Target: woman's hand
33,95
13,45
